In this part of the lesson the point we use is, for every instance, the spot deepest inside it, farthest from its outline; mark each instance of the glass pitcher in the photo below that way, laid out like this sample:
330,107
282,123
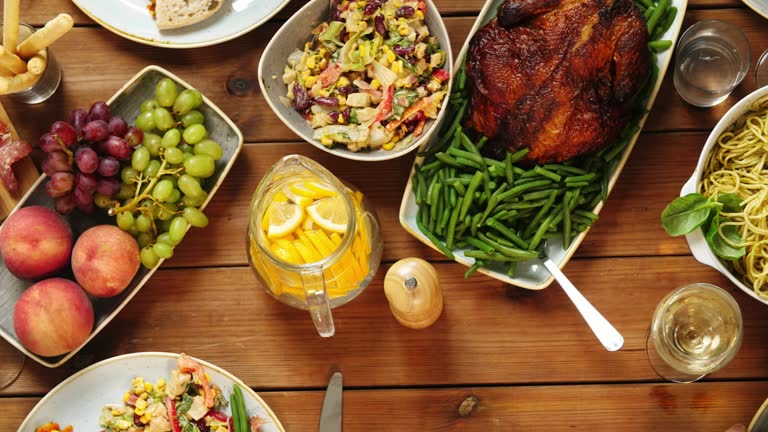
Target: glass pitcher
313,242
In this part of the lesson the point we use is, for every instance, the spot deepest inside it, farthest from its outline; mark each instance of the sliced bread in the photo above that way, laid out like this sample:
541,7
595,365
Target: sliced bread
171,14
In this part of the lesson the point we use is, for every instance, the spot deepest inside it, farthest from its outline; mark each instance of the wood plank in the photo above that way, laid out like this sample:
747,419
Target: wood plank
488,334
702,407
251,113
24,170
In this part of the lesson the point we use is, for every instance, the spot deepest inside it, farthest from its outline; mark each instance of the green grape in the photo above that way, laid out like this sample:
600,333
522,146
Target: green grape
146,204
126,191
187,156
192,117
144,239
162,190
149,105
198,97
163,119
174,155
143,223
171,138
128,175
101,200
148,257
178,229
195,217
171,178
210,148
145,121
194,202
200,166
133,231
190,186
165,91
140,158
163,250
162,227
194,134
186,148
185,102
165,237
175,196
166,212
153,168
152,142
125,220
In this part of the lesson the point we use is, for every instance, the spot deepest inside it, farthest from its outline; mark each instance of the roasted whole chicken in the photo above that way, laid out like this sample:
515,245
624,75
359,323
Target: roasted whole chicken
556,76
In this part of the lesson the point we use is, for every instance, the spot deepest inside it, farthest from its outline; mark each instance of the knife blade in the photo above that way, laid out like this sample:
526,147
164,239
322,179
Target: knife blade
330,416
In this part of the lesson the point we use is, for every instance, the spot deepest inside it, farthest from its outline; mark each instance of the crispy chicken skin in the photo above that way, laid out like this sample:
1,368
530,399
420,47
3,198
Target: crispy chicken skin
556,76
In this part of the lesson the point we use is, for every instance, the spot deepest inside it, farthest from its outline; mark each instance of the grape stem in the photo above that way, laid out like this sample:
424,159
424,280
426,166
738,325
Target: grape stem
131,206
68,152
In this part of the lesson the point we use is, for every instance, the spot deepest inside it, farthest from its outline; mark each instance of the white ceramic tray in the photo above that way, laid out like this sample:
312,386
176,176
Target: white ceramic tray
532,274
125,103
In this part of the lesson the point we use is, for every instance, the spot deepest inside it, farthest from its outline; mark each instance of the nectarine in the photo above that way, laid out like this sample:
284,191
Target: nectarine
104,260
35,242
53,317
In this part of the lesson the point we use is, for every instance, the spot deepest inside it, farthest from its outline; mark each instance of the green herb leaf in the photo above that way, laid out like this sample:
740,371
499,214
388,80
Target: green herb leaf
720,246
731,203
185,404
686,213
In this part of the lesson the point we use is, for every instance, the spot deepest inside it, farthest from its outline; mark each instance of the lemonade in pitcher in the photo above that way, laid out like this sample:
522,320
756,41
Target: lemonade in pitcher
312,241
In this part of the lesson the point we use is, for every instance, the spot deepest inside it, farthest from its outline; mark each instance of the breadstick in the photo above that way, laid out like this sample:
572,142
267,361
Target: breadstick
37,63
18,82
11,25
47,35
5,72
11,61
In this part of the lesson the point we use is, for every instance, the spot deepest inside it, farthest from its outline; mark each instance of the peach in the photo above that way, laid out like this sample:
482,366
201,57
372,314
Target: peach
35,242
104,260
53,317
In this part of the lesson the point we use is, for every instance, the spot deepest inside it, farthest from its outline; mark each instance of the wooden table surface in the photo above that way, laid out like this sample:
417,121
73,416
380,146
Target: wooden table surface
527,357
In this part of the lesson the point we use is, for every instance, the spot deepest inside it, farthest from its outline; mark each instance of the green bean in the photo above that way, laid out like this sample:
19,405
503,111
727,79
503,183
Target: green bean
469,163
579,219
659,45
462,78
565,169
476,179
489,257
647,13
540,233
586,214
462,180
452,197
493,162
540,194
493,223
577,184
539,215
467,144
479,244
646,3
566,220
511,252
447,159
517,190
475,224
546,173
508,171
240,407
512,269
582,178
657,13
499,239
451,230
431,236
481,142
520,154
669,18
467,155
472,269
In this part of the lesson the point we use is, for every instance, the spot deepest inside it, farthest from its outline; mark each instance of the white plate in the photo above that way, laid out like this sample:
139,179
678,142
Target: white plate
532,274
759,6
131,19
78,400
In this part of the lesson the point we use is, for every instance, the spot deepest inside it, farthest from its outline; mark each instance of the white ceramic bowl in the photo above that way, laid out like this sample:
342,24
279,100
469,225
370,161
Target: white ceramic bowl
696,240
294,34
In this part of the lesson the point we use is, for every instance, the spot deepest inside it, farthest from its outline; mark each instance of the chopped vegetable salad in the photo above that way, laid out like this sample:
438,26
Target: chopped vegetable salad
372,77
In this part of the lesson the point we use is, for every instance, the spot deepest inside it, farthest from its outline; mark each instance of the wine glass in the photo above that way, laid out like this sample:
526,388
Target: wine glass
11,363
696,330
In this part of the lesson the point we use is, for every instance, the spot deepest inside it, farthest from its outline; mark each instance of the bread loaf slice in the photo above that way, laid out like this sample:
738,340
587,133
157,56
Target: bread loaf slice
171,14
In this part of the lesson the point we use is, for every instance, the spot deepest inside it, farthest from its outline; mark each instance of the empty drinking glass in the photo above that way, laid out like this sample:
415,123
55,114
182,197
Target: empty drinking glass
712,58
761,70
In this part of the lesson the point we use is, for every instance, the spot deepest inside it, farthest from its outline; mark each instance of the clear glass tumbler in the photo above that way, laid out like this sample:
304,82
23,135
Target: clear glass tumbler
695,330
761,70
711,59
49,80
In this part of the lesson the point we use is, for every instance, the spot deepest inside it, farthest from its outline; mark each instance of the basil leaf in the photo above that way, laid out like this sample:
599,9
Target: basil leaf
719,246
731,203
686,213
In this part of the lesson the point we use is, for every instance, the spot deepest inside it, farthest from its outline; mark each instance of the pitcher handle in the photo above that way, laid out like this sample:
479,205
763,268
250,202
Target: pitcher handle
318,302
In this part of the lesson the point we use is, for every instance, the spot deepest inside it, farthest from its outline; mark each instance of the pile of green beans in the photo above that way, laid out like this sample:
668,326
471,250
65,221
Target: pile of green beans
500,211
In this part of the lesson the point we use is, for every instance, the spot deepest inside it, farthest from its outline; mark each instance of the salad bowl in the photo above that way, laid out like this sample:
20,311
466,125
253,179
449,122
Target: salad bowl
533,274
294,34
125,103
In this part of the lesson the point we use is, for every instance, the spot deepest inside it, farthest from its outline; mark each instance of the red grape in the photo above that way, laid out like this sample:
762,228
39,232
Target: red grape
86,159
66,132
108,186
117,147
84,201
96,130
108,166
65,204
78,118
62,181
117,126
56,162
99,111
49,143
52,192
86,182
134,136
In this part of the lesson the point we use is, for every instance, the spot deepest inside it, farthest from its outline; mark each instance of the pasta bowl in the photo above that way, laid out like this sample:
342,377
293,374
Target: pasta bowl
696,240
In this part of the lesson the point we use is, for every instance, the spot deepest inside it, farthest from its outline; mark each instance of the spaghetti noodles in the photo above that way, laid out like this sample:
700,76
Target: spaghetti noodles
737,164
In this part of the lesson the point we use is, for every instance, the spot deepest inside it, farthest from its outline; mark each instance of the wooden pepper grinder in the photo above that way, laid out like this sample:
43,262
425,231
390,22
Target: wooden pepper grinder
413,291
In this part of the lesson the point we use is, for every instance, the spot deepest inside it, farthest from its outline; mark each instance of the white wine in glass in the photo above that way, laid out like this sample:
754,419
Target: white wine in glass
696,330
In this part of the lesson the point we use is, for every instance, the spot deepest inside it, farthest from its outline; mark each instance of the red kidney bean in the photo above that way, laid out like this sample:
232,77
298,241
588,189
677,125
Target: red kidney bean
334,115
405,12
326,101
371,7
378,22
301,100
403,51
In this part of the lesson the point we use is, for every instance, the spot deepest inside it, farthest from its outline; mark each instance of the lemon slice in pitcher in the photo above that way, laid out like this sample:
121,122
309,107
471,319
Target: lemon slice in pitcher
284,218
330,214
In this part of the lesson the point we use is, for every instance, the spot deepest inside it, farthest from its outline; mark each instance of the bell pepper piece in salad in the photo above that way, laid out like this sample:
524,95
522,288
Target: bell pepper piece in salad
372,78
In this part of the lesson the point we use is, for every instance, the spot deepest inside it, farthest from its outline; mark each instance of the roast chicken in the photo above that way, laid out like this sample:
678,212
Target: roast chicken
556,76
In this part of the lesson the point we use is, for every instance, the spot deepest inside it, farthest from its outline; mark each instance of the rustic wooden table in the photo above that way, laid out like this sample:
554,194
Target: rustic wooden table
527,357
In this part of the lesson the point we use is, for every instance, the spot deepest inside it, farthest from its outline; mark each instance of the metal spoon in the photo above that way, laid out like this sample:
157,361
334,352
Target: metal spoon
605,332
